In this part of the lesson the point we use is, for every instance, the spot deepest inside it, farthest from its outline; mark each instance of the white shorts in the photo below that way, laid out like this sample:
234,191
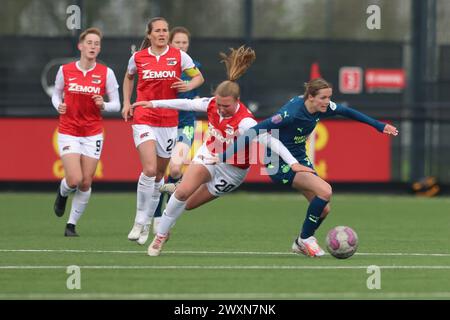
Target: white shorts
165,138
224,177
88,146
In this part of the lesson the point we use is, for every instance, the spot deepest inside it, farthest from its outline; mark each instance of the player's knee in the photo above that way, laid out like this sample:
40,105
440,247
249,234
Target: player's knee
175,171
73,181
182,194
325,192
149,171
85,184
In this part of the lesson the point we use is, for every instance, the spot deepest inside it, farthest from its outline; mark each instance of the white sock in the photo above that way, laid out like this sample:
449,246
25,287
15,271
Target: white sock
79,203
64,188
154,200
144,194
174,209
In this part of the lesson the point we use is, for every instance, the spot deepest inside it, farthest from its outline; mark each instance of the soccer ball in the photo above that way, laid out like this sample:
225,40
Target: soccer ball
342,242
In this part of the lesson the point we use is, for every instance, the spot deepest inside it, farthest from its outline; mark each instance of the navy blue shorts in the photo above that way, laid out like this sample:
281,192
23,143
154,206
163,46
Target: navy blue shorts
284,174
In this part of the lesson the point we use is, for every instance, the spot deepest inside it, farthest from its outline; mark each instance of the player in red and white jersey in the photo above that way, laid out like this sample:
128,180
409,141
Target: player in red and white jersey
158,68
228,117
78,98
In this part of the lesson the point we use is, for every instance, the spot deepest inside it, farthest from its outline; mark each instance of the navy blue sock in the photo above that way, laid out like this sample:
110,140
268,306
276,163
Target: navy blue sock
313,220
158,212
173,180
319,223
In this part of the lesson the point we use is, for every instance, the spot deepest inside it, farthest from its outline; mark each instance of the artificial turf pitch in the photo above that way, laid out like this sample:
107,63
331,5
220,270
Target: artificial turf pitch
236,247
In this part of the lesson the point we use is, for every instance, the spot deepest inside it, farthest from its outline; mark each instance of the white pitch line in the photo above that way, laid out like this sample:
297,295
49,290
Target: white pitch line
71,250
219,267
220,252
234,296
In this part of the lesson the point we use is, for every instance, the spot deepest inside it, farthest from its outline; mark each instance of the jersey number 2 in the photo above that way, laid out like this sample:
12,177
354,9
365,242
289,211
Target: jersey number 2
98,144
171,144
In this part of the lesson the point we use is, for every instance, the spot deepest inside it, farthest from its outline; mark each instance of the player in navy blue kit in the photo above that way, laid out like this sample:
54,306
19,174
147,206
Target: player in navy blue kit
180,38
295,121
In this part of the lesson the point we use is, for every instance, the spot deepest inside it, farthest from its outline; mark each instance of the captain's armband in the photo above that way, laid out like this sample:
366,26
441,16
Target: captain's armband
192,72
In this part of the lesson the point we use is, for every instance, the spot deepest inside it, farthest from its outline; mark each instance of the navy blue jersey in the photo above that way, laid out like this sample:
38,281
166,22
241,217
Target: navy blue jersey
187,118
295,124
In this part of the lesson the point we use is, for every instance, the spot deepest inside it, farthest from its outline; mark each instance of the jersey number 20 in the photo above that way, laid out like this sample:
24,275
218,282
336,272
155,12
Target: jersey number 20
224,186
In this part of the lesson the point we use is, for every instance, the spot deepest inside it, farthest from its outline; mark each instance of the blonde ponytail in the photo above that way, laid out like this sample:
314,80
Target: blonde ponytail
238,61
236,64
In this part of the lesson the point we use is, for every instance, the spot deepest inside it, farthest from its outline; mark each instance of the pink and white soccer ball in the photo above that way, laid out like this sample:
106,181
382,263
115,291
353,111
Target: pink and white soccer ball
342,242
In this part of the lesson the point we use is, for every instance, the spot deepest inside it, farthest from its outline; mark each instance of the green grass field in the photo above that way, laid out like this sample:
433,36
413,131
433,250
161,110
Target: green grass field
237,247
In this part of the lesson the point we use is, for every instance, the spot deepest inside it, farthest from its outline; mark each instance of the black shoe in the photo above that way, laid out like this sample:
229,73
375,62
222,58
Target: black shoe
60,204
70,231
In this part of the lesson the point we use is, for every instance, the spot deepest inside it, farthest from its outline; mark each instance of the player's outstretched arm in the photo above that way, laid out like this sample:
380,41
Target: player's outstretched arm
277,121
361,117
390,129
279,148
199,105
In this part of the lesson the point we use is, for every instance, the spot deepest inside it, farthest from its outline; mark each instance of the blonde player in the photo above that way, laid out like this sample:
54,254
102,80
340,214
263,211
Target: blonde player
227,117
158,68
78,98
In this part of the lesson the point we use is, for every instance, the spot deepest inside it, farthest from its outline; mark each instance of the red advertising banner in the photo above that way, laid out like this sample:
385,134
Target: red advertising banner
385,80
343,151
349,151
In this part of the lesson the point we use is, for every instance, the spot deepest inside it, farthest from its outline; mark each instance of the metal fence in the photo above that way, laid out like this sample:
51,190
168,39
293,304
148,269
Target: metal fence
28,67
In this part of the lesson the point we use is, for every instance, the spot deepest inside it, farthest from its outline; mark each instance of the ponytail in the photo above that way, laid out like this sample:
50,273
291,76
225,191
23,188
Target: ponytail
236,64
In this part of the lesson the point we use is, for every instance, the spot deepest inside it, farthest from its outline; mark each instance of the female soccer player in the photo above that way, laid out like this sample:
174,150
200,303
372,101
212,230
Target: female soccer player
158,67
180,38
227,117
295,121
78,98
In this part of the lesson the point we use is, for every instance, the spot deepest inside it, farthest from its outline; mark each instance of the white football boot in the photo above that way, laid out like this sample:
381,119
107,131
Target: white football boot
309,247
135,232
156,246
144,235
